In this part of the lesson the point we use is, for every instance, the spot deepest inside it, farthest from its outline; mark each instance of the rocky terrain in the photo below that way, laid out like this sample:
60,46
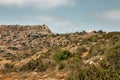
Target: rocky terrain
35,53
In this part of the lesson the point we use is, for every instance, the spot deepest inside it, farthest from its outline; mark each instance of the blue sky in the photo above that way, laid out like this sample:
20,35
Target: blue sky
63,15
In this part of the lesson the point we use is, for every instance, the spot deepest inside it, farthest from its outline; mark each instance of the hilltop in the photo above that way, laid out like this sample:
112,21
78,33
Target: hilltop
35,53
26,29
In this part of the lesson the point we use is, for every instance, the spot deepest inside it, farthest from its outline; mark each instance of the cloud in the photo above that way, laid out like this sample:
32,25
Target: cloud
41,4
113,15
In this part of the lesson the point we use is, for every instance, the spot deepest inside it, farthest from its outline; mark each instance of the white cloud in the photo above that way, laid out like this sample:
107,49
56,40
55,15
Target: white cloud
41,4
113,15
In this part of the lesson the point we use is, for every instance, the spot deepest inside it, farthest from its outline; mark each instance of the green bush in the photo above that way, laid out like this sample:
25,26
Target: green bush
97,49
113,56
63,55
33,65
73,63
8,67
108,69
94,73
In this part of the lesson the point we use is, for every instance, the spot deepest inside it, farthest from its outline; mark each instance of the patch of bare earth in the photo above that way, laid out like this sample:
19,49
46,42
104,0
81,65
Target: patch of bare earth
59,75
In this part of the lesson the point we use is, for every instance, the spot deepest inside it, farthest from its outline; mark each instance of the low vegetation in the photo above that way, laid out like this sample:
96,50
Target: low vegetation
63,55
70,56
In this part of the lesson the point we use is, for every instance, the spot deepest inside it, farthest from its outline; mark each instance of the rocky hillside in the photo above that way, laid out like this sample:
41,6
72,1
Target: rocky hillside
35,53
28,29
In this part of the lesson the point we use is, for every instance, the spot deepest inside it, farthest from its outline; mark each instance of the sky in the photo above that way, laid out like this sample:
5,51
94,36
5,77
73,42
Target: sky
63,16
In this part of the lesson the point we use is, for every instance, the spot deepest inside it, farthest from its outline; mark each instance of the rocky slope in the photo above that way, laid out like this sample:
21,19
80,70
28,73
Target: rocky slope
35,53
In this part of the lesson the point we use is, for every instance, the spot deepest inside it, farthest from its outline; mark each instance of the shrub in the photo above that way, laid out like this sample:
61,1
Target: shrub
113,56
97,49
100,31
63,55
33,65
94,73
8,67
61,66
10,56
73,63
80,51
108,69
